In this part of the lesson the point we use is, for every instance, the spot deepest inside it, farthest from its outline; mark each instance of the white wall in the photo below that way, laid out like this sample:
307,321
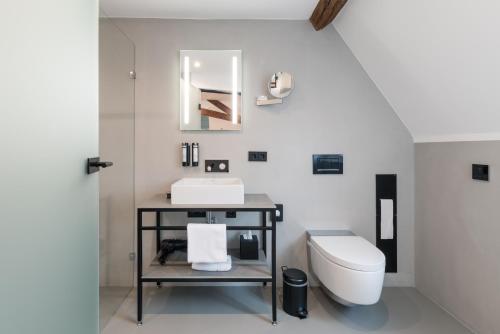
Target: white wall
457,228
436,62
335,108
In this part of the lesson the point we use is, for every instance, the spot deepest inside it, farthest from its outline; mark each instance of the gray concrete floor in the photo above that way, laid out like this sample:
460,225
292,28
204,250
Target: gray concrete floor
243,310
110,300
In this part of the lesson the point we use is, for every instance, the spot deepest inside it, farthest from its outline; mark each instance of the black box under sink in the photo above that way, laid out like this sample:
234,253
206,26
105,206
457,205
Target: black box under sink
249,248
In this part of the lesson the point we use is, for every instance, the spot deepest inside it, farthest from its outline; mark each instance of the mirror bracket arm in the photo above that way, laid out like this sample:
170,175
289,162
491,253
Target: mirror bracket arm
266,102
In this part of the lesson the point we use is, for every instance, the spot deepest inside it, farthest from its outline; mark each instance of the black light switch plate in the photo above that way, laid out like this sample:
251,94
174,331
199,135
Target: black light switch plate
279,212
257,156
481,172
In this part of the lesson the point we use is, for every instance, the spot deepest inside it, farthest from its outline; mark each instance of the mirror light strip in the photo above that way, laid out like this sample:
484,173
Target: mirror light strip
235,91
187,80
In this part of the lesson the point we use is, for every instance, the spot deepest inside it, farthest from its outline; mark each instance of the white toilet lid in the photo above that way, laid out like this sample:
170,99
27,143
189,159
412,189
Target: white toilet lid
352,252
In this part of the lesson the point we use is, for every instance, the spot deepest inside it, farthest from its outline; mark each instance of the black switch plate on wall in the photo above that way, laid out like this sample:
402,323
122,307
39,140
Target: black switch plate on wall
481,172
257,156
279,212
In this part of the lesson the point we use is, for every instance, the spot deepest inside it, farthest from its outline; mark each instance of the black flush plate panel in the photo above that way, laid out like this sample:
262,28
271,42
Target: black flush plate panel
386,188
328,164
217,166
481,172
230,214
197,214
279,212
257,156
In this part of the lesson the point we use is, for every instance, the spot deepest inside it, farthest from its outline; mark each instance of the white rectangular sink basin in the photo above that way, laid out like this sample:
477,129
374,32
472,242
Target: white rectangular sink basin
208,191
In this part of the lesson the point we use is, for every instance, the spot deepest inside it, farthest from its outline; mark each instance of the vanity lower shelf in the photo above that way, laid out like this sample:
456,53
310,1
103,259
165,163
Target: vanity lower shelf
184,273
177,269
180,258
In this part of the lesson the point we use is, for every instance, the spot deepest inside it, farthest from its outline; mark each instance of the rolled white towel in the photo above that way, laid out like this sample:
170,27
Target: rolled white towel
218,266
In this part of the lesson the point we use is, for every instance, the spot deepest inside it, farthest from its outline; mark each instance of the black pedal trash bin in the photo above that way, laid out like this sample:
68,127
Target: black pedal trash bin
294,292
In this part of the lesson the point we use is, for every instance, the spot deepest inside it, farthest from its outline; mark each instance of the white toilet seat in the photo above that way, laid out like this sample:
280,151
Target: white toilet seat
349,267
352,252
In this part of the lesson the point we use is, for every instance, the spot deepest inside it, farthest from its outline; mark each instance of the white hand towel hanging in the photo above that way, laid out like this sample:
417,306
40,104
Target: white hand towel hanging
207,243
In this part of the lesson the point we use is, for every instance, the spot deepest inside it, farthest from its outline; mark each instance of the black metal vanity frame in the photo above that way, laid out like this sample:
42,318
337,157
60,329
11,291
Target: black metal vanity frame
214,277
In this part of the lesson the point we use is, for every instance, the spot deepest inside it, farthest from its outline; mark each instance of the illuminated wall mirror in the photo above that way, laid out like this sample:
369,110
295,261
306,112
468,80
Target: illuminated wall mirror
210,86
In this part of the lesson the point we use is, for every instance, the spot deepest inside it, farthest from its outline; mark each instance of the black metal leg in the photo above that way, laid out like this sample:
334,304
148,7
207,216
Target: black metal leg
158,232
139,267
264,236
273,263
264,232
158,238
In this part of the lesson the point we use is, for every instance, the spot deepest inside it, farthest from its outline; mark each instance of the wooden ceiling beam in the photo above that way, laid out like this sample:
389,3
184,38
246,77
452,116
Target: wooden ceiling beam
221,106
215,114
325,12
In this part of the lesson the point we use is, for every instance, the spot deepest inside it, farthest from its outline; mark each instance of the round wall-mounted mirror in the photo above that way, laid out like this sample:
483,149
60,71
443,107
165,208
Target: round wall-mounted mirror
281,84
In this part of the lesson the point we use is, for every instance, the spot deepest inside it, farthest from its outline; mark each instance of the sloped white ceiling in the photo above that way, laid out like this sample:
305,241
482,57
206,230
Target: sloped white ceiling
210,9
437,62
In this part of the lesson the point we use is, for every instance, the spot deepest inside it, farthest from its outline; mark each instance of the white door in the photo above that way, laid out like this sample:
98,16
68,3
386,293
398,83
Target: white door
48,129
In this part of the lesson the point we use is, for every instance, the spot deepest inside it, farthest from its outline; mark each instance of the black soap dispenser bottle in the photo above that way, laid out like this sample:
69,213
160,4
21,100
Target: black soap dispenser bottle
196,154
185,155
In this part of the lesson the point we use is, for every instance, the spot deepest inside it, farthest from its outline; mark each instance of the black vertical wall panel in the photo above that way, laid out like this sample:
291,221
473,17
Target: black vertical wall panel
386,188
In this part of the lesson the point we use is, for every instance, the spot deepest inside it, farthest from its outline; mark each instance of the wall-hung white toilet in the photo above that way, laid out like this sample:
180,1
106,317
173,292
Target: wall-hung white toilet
350,268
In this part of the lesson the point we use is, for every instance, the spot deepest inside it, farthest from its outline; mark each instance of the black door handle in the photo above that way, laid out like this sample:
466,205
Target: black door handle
103,164
94,164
